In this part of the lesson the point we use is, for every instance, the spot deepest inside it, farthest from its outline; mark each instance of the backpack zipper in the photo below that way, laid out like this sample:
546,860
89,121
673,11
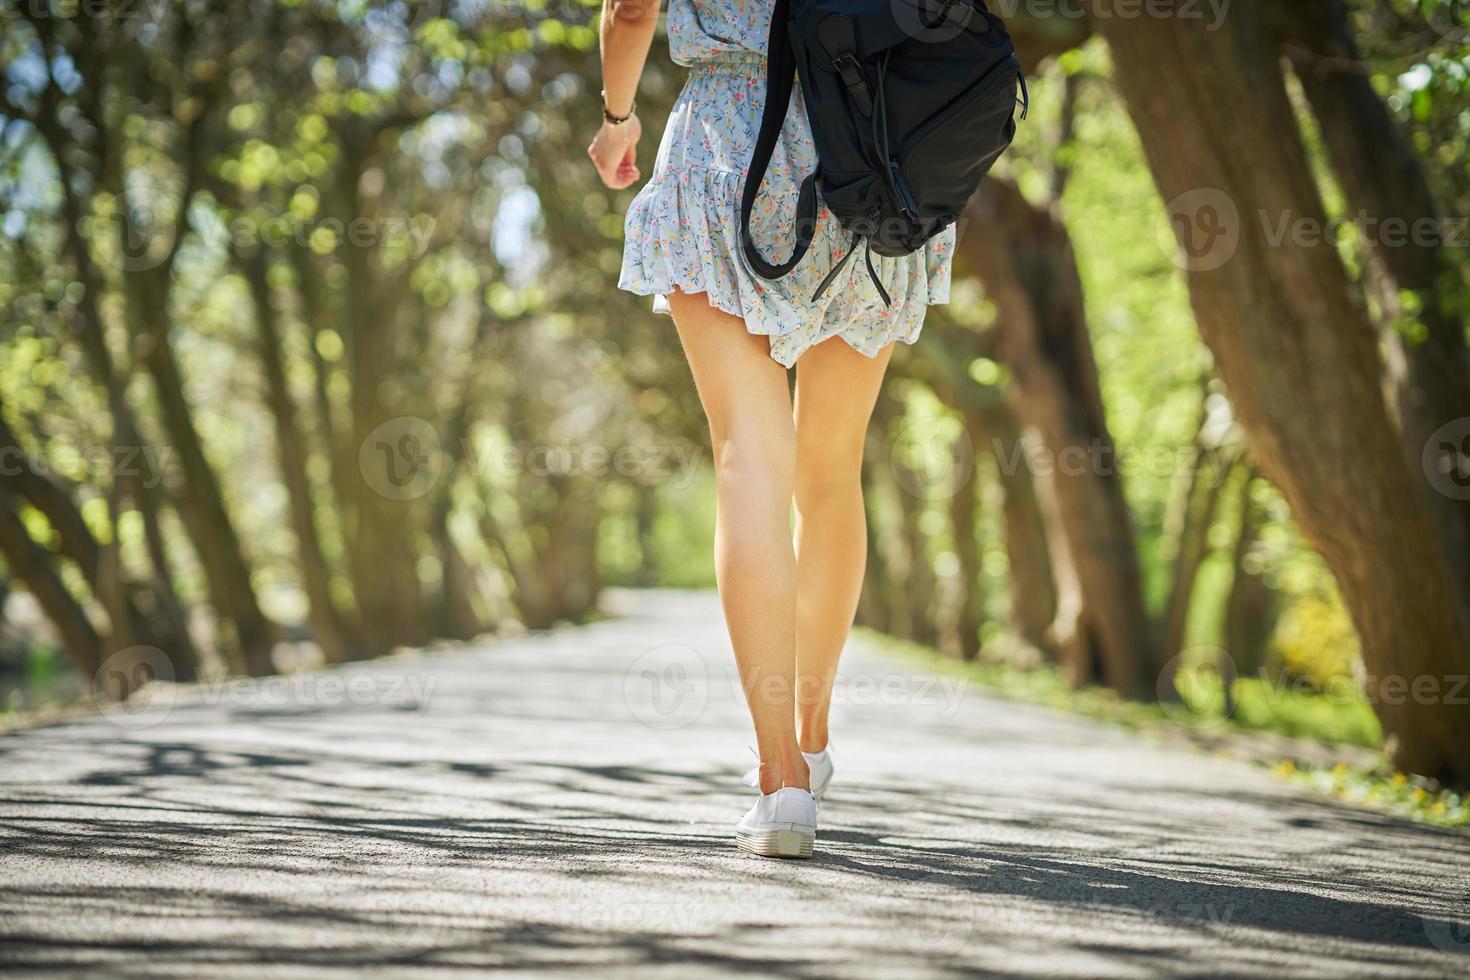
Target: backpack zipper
1008,67
910,206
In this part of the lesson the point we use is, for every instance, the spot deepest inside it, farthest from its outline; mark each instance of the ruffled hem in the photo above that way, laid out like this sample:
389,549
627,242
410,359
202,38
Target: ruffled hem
682,234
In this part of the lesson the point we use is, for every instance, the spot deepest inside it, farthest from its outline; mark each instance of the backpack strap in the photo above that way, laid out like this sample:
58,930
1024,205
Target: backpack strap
780,74
852,248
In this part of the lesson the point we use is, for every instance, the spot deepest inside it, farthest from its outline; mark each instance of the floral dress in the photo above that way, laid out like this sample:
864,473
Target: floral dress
683,228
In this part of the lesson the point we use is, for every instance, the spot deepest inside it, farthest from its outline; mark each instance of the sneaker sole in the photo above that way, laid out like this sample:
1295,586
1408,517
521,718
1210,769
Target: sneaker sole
776,843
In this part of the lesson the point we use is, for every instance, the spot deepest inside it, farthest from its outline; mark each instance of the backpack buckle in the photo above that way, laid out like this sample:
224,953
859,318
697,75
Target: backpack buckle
857,84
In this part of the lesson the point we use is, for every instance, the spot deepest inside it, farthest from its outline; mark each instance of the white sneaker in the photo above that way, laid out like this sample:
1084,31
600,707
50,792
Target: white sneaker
819,769
781,824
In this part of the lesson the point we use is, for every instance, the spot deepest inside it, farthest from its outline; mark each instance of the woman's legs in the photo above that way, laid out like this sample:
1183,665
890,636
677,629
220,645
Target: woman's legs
836,389
748,403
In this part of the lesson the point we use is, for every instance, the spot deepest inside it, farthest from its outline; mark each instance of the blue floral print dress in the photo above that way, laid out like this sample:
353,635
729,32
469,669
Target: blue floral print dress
683,228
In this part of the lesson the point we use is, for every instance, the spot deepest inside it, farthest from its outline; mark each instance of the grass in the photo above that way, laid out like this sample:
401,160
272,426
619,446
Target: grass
1337,718
35,675
1340,716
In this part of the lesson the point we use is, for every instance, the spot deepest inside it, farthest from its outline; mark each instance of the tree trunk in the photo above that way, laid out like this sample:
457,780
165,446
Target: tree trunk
74,538
454,612
1384,182
130,623
527,595
329,628
330,429
201,503
1033,591
645,514
1199,499
1070,634
878,586
918,588
384,562
1298,355
171,629
569,559
1250,605
100,567
963,508
1024,257
946,352
886,530
32,565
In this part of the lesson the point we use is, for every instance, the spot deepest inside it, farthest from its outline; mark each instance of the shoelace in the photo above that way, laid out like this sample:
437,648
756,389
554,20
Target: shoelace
753,777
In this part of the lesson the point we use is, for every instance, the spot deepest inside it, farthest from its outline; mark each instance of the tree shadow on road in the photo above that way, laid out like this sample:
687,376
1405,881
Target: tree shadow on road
227,858
239,838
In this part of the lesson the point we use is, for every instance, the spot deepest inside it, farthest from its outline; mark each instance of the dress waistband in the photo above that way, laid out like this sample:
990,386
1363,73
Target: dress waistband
731,63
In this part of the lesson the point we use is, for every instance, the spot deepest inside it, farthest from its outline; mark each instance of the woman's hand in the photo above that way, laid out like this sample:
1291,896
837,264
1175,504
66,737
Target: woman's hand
625,30
612,152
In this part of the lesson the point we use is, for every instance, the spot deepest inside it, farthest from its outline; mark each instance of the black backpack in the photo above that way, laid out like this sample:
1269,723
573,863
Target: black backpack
910,102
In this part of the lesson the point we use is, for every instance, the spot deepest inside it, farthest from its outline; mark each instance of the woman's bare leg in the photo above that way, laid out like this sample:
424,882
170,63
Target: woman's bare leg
836,389
748,403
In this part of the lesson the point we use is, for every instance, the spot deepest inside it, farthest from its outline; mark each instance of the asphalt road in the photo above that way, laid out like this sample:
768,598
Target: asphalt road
563,803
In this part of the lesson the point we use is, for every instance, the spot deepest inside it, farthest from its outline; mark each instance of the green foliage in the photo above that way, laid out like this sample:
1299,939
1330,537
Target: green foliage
1337,715
1382,788
1419,54
1315,640
684,533
1341,716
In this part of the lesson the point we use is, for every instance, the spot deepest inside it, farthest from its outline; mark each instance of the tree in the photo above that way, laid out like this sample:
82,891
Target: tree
32,565
1024,257
1415,285
946,350
1298,354
339,639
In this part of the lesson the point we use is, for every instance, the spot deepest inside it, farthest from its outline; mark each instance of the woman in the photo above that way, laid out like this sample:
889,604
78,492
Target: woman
788,607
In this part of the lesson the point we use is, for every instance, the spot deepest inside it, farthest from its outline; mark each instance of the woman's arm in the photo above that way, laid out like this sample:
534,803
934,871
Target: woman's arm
626,32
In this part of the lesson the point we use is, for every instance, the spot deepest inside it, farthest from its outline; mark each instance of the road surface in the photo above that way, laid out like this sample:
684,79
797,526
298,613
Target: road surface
562,803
